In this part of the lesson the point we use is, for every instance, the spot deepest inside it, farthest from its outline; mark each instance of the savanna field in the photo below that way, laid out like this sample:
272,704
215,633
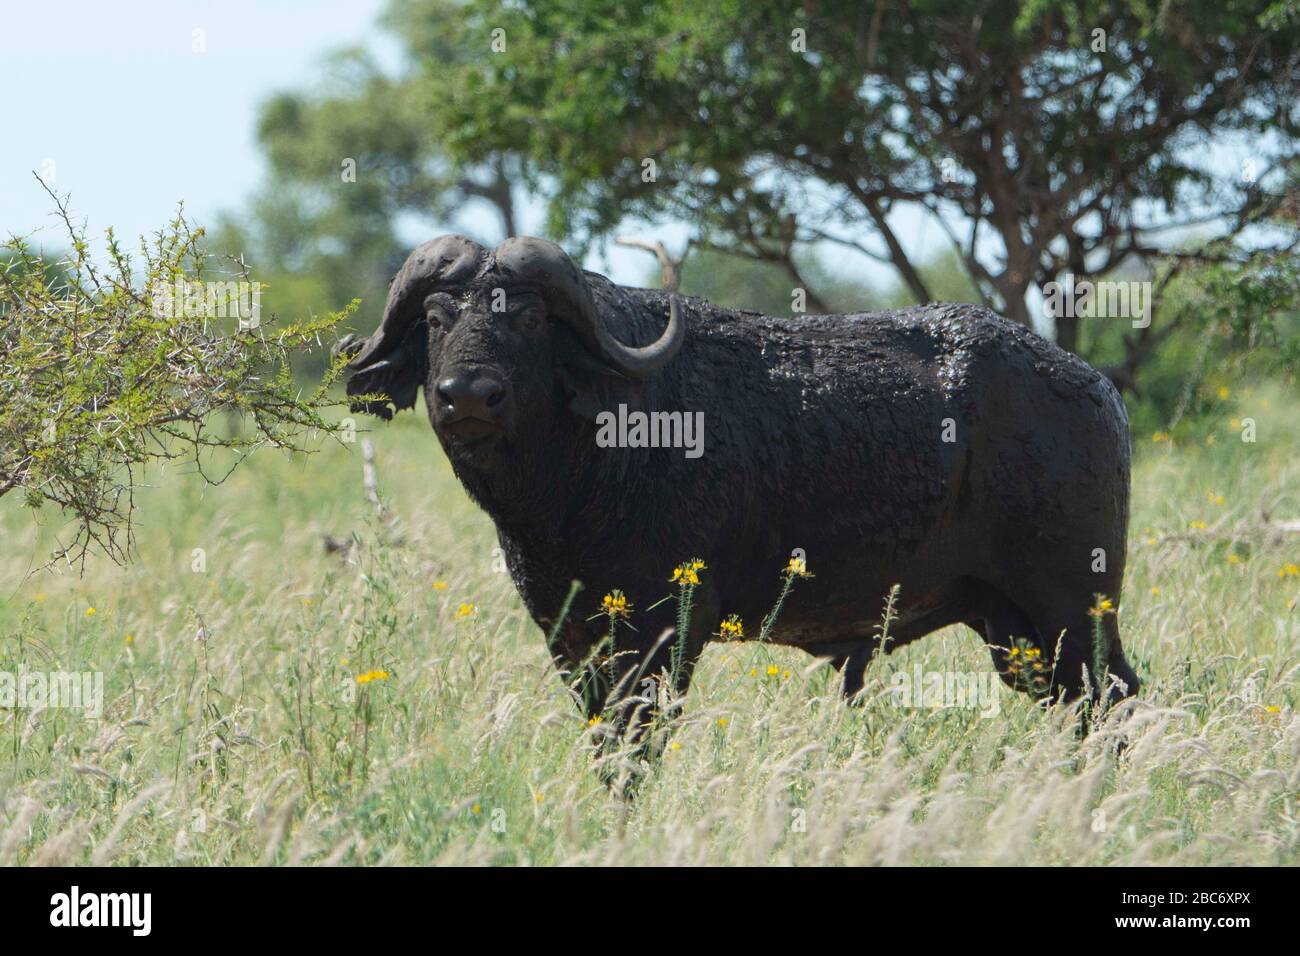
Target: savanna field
388,701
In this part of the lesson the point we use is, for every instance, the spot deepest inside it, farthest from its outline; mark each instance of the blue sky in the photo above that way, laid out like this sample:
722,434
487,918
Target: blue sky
132,119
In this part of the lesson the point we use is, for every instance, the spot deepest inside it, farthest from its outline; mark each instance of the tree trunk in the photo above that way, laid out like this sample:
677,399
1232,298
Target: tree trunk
1013,301
1067,332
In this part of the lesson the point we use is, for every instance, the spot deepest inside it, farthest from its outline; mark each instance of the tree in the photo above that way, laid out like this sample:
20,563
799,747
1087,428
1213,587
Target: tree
742,283
348,161
1043,137
104,368
307,257
372,151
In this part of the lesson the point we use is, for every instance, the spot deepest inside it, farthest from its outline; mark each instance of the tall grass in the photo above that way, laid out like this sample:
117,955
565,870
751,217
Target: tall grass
236,730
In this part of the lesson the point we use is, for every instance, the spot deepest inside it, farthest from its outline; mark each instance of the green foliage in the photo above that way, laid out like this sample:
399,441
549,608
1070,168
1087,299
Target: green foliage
733,282
309,256
349,160
1052,134
738,282
782,134
103,373
740,122
1219,323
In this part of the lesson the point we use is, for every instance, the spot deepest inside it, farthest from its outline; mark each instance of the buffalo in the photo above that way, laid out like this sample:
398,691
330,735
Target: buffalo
941,449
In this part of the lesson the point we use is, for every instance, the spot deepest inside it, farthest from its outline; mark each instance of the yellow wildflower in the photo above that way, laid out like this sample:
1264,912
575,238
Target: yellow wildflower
466,610
1103,607
369,676
615,604
1026,667
773,670
732,629
687,573
1224,392
440,585
797,568
594,721
90,612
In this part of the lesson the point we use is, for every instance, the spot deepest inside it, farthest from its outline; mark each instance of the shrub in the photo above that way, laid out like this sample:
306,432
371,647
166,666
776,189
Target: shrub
101,373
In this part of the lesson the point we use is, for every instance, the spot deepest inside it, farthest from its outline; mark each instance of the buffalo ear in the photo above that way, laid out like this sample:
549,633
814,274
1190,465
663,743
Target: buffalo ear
396,375
591,385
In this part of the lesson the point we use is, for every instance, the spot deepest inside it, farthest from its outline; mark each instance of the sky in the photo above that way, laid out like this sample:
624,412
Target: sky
112,102
128,110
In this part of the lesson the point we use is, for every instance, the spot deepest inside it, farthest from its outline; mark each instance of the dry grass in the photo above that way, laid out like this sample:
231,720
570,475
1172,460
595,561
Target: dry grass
258,745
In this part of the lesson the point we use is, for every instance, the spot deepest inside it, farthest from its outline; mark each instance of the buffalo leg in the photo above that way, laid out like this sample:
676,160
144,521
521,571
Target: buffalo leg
855,671
1007,629
852,658
1075,638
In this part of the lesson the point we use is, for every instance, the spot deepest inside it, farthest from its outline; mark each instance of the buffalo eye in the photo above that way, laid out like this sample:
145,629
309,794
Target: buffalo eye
529,315
438,310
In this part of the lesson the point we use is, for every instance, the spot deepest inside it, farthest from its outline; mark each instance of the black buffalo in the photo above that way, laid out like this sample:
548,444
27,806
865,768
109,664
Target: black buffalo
940,448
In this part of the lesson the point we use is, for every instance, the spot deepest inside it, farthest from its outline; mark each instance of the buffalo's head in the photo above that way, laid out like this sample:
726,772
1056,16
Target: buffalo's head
505,342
